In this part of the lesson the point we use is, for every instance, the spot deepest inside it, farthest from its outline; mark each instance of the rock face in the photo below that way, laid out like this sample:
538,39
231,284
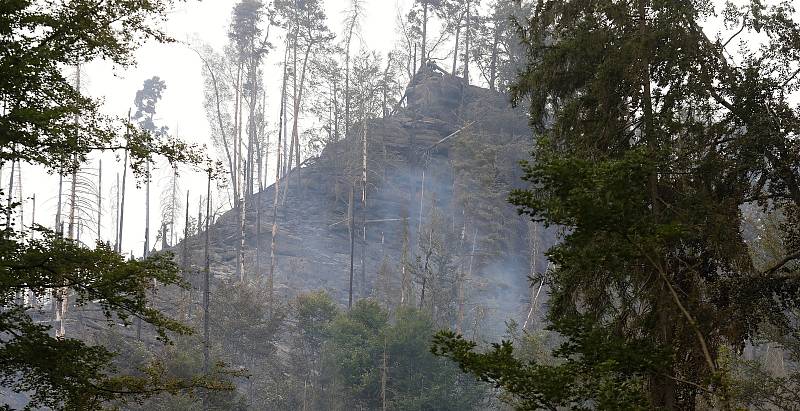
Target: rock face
439,172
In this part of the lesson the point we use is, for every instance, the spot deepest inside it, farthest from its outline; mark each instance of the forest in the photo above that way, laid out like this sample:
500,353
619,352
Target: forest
399,205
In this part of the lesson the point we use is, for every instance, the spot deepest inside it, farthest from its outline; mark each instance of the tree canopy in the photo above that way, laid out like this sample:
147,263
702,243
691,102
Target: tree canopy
45,121
652,140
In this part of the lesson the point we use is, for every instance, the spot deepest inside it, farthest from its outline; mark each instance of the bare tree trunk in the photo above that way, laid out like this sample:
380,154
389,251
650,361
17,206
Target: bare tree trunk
21,198
73,183
295,100
263,153
493,62
421,201
424,55
199,215
185,251
455,48
415,59
363,199
237,183
116,218
172,234
466,43
335,111
385,86
33,216
405,278
240,243
99,199
72,202
296,113
122,204
10,199
285,125
59,207
260,205
462,289
147,212
55,293
384,376
62,294
347,74
461,278
146,252
276,189
351,229
206,278
533,242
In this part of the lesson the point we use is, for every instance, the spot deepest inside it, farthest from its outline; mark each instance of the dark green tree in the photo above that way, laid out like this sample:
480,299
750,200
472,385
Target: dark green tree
378,362
46,122
651,139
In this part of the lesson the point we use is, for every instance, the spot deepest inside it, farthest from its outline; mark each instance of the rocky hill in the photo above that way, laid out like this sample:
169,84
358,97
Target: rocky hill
439,231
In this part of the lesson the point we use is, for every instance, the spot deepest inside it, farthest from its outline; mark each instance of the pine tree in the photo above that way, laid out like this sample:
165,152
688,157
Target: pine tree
650,140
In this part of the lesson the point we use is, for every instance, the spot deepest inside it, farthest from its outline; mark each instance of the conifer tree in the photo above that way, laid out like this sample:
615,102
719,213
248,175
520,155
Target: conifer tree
651,139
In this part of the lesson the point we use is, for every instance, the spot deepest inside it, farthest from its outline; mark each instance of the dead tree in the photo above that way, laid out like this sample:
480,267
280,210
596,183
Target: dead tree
99,198
206,278
276,189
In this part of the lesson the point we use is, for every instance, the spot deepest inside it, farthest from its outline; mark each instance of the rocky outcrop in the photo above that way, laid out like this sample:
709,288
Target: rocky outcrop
440,166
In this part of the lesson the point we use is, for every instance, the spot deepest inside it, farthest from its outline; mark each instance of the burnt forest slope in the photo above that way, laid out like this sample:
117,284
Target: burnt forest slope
439,172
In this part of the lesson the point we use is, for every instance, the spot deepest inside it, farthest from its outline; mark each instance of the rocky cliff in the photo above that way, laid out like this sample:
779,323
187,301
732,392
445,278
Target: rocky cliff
439,171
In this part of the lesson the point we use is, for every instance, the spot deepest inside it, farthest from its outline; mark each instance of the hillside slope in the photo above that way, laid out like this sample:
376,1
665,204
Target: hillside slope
439,170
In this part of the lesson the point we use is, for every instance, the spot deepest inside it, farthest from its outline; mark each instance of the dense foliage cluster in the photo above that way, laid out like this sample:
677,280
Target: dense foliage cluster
655,144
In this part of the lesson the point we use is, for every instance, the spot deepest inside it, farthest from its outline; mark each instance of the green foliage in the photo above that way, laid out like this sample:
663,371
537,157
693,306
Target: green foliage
414,379
47,122
39,123
66,372
242,325
651,142
596,364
